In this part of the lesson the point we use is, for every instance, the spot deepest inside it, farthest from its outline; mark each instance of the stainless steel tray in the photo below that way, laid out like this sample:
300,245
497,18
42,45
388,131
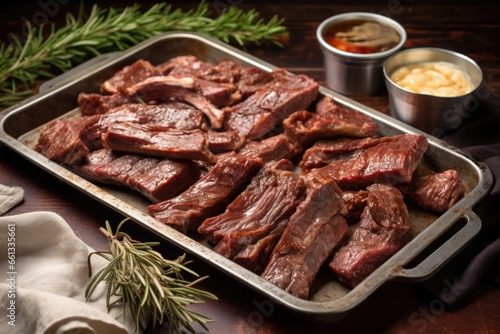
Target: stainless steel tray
330,300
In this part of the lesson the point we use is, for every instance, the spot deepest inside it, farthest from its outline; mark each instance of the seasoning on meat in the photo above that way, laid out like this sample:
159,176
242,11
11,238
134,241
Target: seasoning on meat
329,120
269,199
210,195
314,230
392,161
158,141
267,108
383,230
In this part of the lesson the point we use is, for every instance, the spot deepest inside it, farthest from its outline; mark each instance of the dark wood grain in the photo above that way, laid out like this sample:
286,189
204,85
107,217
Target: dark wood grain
396,307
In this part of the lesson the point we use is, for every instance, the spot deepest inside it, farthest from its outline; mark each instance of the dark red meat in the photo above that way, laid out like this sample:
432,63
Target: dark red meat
270,198
383,230
392,161
267,108
329,120
158,141
314,230
209,196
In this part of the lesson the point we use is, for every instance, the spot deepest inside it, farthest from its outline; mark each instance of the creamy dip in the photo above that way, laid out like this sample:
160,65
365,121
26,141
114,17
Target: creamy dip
433,78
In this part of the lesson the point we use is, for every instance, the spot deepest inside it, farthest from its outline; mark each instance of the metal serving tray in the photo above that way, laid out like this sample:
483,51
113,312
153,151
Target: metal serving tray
330,300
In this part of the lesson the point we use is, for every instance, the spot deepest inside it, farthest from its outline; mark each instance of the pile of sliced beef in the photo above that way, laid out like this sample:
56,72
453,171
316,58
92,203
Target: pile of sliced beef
273,175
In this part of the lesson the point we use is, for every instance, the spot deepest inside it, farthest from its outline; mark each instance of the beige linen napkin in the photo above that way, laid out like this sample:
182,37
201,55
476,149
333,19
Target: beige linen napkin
42,287
10,197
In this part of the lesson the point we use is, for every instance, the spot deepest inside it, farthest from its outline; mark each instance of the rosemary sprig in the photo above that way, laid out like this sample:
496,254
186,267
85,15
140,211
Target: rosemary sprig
147,285
105,30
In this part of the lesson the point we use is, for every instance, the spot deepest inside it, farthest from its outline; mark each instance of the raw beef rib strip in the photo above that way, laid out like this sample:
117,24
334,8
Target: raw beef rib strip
95,104
329,120
63,140
270,198
267,108
156,179
314,230
392,161
255,257
158,141
226,141
183,89
225,71
325,151
253,79
355,201
383,230
209,196
129,76
173,114
437,192
272,148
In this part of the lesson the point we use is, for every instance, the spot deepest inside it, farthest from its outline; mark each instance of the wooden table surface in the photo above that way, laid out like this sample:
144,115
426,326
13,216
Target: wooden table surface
396,307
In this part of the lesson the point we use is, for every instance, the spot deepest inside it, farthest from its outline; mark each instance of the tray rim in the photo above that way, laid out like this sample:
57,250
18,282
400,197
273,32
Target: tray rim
317,310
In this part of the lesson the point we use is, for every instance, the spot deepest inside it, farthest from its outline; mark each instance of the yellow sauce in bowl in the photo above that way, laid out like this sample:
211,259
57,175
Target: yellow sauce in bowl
433,78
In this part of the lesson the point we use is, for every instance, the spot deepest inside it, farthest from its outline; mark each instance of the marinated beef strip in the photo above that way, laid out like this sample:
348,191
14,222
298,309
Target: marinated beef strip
322,152
220,94
157,141
383,230
172,114
437,192
253,79
225,71
96,104
226,141
255,257
355,201
270,198
184,89
272,148
392,161
129,76
329,120
63,140
267,108
209,196
313,232
156,179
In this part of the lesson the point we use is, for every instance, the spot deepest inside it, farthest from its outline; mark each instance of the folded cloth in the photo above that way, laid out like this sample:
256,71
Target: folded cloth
480,260
46,271
10,197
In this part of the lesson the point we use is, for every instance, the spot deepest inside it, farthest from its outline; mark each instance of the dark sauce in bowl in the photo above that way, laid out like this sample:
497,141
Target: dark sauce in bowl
361,36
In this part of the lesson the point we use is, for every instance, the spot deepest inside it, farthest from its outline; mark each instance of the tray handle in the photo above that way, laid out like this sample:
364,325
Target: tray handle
439,257
87,66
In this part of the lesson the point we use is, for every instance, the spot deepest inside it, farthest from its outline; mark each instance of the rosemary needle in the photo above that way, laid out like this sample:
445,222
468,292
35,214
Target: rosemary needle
43,54
147,285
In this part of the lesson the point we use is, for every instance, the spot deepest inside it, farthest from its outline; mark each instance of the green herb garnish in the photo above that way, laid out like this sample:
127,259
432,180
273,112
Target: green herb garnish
147,285
44,54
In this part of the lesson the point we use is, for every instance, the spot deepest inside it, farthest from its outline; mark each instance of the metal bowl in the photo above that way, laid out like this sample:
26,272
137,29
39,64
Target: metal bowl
435,115
356,73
